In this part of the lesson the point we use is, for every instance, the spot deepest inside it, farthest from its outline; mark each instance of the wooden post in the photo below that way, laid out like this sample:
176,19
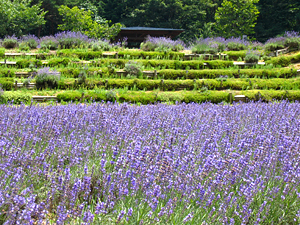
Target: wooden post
230,98
106,83
162,84
155,74
276,54
117,55
16,85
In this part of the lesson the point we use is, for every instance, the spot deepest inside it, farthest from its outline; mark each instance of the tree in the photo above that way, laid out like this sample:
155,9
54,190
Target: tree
18,17
276,17
76,19
236,18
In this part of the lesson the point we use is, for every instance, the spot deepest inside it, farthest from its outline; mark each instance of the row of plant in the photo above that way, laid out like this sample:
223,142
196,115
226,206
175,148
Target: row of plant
67,40
221,83
95,72
150,97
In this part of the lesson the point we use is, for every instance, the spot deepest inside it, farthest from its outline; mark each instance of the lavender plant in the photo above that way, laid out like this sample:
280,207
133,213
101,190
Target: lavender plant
10,42
71,39
236,44
46,78
152,164
252,56
49,42
162,44
209,45
28,42
133,68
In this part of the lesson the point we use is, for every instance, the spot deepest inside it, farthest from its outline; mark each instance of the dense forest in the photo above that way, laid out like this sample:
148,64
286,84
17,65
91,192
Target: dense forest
259,19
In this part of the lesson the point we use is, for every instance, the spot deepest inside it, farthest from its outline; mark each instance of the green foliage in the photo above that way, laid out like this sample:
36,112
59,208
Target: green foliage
75,19
219,64
20,17
24,63
69,96
2,52
7,84
292,42
28,44
215,73
234,55
272,46
58,61
16,97
236,18
6,72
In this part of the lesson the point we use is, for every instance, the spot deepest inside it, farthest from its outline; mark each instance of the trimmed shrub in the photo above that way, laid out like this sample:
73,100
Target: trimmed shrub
69,96
15,97
7,83
25,63
234,55
57,61
219,64
49,42
5,72
2,52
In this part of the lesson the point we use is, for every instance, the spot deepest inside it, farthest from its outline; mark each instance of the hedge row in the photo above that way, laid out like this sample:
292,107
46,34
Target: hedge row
181,96
15,97
284,60
84,55
173,85
235,55
167,64
250,73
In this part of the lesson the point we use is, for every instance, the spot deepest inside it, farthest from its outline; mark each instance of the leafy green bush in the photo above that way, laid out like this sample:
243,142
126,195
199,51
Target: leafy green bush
7,83
69,96
2,52
219,64
15,97
25,63
49,42
234,55
274,46
280,61
151,55
7,72
28,44
58,61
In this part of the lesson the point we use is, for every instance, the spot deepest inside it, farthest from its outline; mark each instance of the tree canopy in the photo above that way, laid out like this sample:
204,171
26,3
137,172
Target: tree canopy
260,19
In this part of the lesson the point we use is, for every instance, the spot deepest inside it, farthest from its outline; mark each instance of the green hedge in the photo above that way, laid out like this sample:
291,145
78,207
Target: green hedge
7,83
150,55
57,61
24,63
166,64
219,64
270,95
284,60
7,72
2,52
251,73
174,85
84,55
16,97
235,55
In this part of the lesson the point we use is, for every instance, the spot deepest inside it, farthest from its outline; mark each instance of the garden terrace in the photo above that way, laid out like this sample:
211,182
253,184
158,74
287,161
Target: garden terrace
79,72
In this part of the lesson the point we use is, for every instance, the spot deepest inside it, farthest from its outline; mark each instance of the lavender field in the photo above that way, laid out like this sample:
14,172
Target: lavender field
152,164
